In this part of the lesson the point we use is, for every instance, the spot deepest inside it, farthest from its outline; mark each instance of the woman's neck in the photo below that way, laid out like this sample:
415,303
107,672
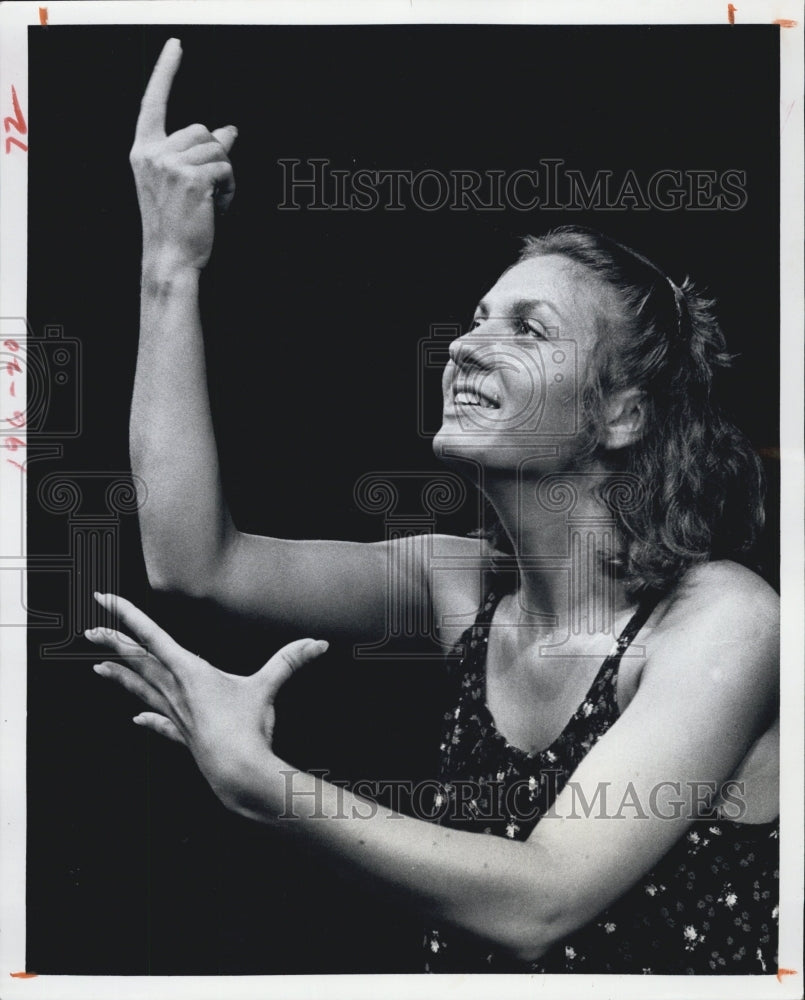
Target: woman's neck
564,539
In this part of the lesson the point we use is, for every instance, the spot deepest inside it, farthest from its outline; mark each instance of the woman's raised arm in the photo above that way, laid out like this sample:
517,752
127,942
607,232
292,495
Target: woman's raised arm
189,540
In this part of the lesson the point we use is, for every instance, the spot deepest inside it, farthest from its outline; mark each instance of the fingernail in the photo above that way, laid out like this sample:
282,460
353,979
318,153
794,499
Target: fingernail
323,645
138,720
100,598
90,633
233,128
100,668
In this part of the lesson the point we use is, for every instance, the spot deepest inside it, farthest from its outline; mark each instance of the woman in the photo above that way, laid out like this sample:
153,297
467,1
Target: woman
630,790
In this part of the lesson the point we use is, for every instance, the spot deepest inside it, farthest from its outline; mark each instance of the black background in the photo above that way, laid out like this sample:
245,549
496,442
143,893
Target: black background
312,322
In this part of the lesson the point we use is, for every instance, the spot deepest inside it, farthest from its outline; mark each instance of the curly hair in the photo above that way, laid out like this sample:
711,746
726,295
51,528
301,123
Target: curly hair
701,484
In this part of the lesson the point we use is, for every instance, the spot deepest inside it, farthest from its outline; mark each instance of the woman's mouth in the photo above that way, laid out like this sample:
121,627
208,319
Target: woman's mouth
466,396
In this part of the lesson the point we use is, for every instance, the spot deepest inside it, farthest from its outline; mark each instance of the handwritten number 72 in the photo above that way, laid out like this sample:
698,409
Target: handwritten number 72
18,122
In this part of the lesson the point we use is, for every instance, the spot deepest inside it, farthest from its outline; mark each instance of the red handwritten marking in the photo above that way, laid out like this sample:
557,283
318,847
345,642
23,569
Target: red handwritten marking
13,368
13,443
19,123
23,975
43,16
731,8
785,972
785,22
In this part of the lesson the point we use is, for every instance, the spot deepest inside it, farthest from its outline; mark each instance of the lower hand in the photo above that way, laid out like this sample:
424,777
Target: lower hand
225,720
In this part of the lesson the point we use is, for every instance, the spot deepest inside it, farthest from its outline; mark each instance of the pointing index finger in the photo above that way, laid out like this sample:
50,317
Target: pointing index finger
151,122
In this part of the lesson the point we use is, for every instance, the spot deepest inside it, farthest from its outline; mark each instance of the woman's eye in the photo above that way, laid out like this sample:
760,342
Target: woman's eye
531,328
475,324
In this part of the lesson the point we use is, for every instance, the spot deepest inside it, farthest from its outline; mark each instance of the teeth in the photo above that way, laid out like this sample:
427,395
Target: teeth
473,399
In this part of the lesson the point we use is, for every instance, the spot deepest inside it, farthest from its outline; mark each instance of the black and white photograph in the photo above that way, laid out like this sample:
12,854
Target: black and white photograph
395,466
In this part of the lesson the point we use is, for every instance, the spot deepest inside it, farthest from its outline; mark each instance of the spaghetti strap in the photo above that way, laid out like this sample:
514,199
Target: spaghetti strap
636,622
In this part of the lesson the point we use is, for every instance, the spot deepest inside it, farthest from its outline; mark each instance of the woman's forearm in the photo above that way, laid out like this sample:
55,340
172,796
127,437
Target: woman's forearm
499,890
184,520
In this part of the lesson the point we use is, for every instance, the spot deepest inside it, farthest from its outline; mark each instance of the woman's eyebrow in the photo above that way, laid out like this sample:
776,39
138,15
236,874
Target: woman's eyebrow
520,307
525,305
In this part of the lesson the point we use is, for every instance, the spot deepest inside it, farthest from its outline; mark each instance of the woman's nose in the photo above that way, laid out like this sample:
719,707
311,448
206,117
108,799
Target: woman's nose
459,350
472,347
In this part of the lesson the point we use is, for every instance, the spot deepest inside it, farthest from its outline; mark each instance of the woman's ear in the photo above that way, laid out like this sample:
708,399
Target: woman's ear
624,416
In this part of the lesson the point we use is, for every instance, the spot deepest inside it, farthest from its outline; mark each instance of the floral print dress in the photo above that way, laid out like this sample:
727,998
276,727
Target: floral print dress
708,906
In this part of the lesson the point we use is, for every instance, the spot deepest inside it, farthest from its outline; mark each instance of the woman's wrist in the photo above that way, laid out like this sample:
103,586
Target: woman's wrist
165,271
250,781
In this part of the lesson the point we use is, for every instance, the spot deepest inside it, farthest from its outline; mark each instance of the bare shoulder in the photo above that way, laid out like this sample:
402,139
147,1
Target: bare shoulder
724,594
458,569
722,623
721,574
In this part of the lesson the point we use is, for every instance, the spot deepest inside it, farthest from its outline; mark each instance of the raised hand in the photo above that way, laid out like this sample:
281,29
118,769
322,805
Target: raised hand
225,720
181,179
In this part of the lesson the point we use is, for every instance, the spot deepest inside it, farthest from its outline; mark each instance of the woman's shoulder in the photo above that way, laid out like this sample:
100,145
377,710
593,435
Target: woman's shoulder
722,646
720,614
462,570
723,591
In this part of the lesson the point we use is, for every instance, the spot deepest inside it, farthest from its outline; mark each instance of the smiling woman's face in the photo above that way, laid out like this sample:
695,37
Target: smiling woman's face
513,381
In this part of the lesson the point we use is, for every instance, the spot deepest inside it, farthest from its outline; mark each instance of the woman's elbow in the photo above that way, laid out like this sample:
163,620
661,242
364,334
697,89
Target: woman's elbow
177,564
162,581
171,578
530,928
528,939
541,925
